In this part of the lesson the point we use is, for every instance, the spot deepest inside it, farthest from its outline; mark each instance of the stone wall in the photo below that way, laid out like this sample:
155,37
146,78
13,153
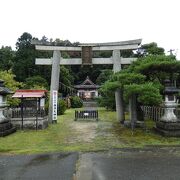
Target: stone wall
30,123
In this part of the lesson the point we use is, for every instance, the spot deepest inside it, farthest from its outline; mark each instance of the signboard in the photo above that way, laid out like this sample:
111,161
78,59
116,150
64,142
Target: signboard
87,55
55,100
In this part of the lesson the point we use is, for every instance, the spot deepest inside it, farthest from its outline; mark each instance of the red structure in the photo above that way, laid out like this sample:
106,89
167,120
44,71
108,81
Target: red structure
31,113
31,96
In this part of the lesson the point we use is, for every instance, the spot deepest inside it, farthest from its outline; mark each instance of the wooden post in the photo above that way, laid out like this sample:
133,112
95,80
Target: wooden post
22,113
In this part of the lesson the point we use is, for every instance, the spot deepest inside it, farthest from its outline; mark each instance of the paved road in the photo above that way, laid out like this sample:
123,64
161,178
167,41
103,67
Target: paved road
60,166
122,164
130,165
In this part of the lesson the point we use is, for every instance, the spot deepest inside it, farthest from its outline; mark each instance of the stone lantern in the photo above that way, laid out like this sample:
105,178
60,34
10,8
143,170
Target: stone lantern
169,124
6,127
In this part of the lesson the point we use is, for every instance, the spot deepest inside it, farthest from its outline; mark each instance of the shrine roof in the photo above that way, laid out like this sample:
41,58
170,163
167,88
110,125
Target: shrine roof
26,93
87,84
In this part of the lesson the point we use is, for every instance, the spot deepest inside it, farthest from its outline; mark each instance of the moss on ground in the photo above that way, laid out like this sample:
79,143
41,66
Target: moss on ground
59,137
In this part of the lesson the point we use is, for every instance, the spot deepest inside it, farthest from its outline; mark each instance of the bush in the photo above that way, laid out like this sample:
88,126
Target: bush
76,102
61,106
107,102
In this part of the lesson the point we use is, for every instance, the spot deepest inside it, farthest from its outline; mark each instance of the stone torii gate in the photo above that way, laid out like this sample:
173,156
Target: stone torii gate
87,59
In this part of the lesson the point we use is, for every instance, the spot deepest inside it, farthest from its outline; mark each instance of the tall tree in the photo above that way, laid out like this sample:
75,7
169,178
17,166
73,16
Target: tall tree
24,63
12,84
6,58
149,49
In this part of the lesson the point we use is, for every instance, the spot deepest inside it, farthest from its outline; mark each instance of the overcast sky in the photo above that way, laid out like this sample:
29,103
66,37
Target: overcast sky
92,21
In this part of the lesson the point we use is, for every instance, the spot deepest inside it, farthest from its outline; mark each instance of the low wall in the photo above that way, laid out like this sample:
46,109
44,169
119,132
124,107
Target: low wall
30,123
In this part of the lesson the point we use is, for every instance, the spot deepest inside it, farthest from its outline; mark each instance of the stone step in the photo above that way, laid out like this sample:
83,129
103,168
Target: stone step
7,132
5,126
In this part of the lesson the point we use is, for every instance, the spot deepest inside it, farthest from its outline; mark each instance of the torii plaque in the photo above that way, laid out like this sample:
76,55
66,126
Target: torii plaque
87,59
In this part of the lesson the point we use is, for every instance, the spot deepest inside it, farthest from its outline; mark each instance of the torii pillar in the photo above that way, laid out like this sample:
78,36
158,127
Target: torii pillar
54,81
118,92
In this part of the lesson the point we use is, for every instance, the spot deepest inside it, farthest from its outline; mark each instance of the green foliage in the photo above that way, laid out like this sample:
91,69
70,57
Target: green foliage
143,78
153,61
153,49
6,58
150,49
9,80
117,80
61,106
104,76
10,83
107,101
66,76
76,102
124,78
110,86
107,98
148,93
36,82
24,65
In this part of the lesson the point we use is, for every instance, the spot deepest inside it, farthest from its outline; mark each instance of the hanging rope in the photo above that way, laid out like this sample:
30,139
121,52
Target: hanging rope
68,89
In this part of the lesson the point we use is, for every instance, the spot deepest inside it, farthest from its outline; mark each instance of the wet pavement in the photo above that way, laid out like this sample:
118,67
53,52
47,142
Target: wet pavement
153,164
60,166
119,164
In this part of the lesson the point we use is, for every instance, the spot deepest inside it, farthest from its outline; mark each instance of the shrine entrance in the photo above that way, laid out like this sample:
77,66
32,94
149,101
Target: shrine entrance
86,59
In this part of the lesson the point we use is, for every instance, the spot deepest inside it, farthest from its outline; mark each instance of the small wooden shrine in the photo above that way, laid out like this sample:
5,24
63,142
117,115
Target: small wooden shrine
31,113
87,90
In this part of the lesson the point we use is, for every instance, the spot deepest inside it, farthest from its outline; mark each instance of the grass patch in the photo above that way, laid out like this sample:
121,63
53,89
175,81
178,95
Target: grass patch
59,137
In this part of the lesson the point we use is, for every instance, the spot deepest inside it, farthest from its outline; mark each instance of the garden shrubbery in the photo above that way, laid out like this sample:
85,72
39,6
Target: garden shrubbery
61,106
76,102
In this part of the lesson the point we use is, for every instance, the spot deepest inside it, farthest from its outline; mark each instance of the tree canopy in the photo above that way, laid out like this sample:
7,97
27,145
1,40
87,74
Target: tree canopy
144,78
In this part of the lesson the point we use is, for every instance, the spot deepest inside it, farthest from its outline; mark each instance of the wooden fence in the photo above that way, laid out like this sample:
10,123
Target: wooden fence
155,113
29,112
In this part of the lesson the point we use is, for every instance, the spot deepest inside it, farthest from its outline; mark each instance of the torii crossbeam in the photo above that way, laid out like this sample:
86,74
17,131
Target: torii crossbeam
86,59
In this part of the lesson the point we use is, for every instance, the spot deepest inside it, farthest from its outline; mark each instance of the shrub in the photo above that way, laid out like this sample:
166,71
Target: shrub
107,102
61,106
76,102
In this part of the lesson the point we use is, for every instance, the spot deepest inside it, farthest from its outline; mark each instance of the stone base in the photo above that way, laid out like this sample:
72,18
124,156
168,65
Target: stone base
6,128
30,123
138,124
171,129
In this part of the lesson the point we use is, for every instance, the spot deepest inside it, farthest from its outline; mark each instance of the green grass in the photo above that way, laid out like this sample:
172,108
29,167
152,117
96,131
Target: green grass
110,134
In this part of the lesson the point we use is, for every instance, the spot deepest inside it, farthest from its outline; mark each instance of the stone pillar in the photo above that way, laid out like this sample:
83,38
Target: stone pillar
132,110
55,72
118,92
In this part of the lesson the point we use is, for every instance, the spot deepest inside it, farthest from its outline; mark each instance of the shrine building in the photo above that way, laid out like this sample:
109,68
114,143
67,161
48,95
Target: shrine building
87,90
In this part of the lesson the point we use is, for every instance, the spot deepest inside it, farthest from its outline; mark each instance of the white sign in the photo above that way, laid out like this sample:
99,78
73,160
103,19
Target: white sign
55,100
86,114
